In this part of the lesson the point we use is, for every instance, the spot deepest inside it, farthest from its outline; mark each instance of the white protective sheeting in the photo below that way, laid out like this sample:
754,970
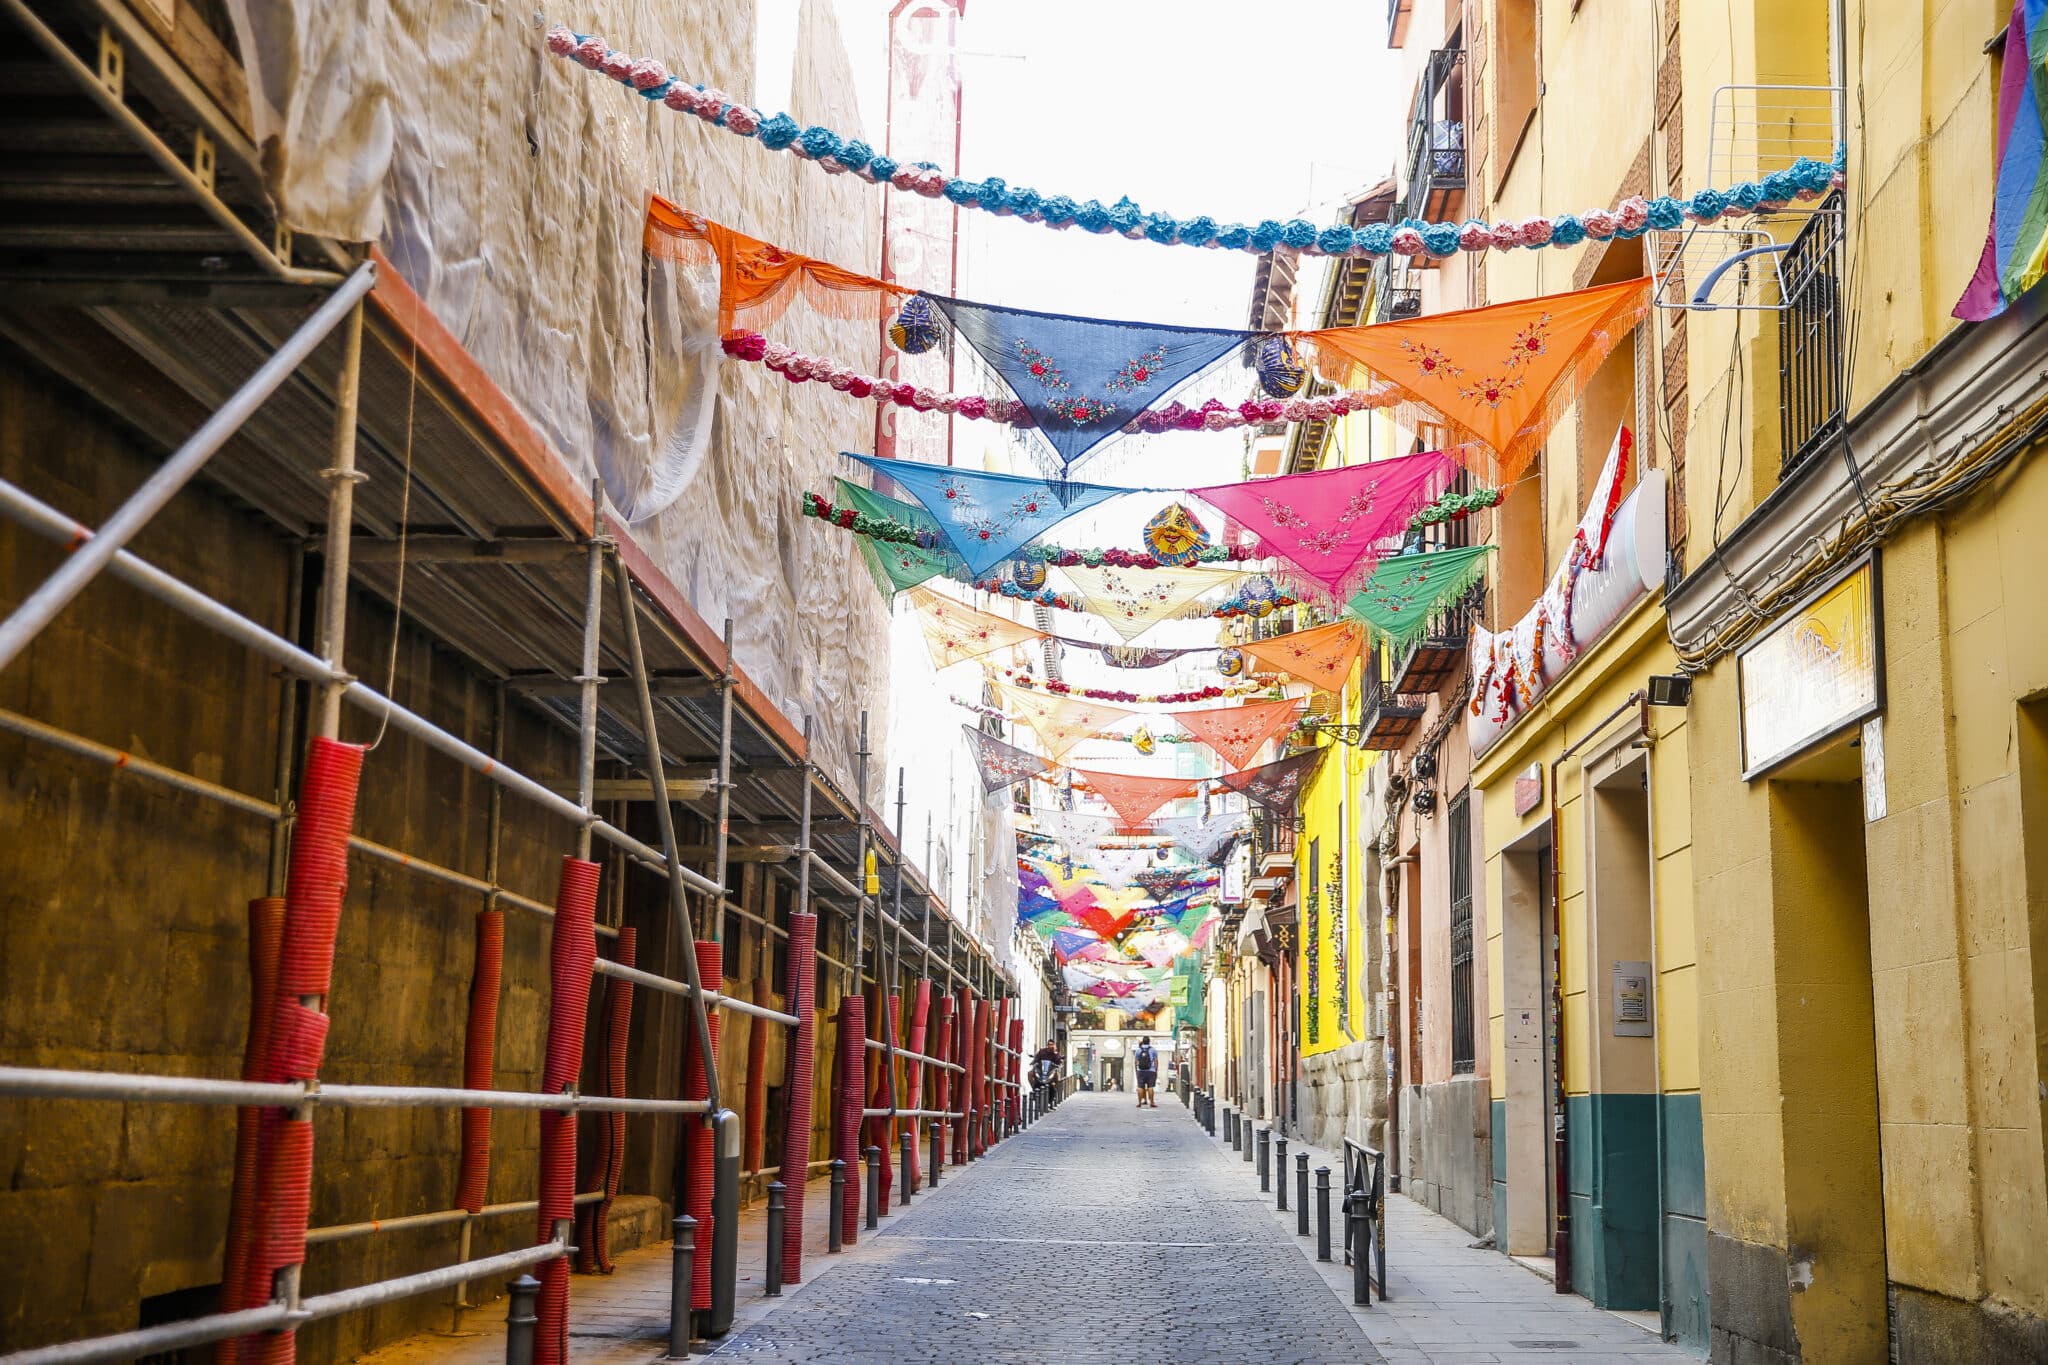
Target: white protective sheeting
508,187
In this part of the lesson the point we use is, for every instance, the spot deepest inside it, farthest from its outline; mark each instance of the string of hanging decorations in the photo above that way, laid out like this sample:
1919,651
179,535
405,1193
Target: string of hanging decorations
1138,740
1805,180
1027,679
1448,507
1214,415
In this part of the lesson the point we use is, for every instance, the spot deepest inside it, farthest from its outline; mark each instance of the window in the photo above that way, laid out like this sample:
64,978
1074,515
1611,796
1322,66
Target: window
1517,80
1461,934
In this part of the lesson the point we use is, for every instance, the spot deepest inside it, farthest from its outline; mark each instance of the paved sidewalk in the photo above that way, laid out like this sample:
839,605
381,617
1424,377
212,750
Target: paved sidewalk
1451,1303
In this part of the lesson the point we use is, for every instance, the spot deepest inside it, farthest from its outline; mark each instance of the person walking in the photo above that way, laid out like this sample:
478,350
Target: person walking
1148,1074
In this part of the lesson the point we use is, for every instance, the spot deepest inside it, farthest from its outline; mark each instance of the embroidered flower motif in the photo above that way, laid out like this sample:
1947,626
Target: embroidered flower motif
1284,516
1082,411
1358,505
1530,342
1137,371
1041,367
1325,542
1492,390
1430,361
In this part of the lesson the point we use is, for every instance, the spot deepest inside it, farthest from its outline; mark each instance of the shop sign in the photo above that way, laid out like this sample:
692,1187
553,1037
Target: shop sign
1813,674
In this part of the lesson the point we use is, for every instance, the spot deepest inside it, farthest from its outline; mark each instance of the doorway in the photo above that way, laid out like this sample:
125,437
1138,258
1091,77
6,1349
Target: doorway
1524,1170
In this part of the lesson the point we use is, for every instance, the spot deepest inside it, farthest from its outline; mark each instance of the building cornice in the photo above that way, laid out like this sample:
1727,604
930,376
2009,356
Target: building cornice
1934,412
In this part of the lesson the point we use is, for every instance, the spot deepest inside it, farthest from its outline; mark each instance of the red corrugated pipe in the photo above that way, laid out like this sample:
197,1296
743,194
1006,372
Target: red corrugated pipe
479,1058
595,1249
798,1075
942,1048
1013,1066
572,956
882,1132
266,931
977,1077
913,1072
698,1141
963,1029
315,884
853,1029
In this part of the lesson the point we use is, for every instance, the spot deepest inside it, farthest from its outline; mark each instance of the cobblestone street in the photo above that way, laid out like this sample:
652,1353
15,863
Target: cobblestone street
1100,1232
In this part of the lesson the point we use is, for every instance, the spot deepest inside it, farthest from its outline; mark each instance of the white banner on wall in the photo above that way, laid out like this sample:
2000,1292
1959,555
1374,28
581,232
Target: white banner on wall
1616,560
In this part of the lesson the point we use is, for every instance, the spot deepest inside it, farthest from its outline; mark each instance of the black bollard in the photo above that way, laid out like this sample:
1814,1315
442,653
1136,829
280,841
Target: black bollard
874,1187
1280,1164
520,1320
908,1139
1357,1238
1301,1193
1322,1213
1265,1161
834,1234
1245,1130
938,1149
682,1279
777,1230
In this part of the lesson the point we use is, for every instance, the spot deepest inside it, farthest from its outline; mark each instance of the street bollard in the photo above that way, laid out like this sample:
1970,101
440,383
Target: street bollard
874,1187
1230,1126
1322,1213
836,1208
777,1230
908,1141
521,1320
1245,1132
1265,1161
1280,1165
682,1280
938,1150
1360,1230
1301,1193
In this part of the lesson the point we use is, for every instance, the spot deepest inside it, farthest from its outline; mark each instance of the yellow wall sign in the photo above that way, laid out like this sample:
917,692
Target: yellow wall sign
1815,673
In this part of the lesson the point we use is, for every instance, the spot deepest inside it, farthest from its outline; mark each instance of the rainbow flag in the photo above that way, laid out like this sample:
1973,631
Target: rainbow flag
2016,247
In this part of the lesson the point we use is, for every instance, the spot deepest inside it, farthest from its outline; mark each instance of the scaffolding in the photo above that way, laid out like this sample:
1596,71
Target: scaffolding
695,734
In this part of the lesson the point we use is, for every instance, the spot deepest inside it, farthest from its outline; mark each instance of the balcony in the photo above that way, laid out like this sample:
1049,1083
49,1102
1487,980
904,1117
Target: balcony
1273,850
1400,301
1437,659
1810,339
1388,718
1436,139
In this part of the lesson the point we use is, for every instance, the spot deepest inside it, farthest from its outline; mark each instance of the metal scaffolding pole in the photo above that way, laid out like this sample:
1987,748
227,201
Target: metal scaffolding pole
679,908
97,551
47,521
590,678
860,861
342,477
725,686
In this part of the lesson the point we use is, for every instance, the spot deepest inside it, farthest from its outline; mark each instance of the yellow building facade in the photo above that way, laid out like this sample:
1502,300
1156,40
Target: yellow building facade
1586,828
1863,615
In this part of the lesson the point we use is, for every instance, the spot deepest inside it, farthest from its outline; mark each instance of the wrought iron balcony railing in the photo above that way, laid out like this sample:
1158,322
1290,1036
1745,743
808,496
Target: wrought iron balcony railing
1810,339
1436,138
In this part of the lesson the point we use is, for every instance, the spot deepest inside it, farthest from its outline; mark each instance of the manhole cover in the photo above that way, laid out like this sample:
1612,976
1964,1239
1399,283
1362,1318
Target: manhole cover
1545,1345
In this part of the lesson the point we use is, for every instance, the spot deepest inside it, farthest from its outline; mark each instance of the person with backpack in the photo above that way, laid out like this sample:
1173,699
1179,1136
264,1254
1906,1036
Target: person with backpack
1148,1074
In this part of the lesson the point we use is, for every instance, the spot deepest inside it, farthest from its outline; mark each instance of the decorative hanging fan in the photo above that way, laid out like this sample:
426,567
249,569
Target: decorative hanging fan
915,328
1279,368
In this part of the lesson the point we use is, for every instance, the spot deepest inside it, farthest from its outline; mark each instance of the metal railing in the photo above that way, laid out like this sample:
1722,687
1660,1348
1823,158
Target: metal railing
1365,1226
1436,138
1810,339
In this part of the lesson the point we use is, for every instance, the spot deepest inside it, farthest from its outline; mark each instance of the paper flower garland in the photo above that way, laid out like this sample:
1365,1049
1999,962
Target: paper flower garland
1805,179
1213,415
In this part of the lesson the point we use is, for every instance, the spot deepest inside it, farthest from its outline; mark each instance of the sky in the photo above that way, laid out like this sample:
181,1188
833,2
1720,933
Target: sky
1233,109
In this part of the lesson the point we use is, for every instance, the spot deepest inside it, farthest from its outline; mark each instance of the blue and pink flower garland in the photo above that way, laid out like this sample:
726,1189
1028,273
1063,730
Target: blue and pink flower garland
1806,179
1214,415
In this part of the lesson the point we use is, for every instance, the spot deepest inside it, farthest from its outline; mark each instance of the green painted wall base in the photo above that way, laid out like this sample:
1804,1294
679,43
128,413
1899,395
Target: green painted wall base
1612,1155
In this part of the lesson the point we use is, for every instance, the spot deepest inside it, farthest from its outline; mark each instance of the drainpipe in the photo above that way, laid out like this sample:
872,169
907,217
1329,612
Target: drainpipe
1561,1241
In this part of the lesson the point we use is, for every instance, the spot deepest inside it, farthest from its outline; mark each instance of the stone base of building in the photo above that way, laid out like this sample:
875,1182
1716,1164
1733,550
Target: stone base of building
1936,1328
1446,1150
1343,1094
